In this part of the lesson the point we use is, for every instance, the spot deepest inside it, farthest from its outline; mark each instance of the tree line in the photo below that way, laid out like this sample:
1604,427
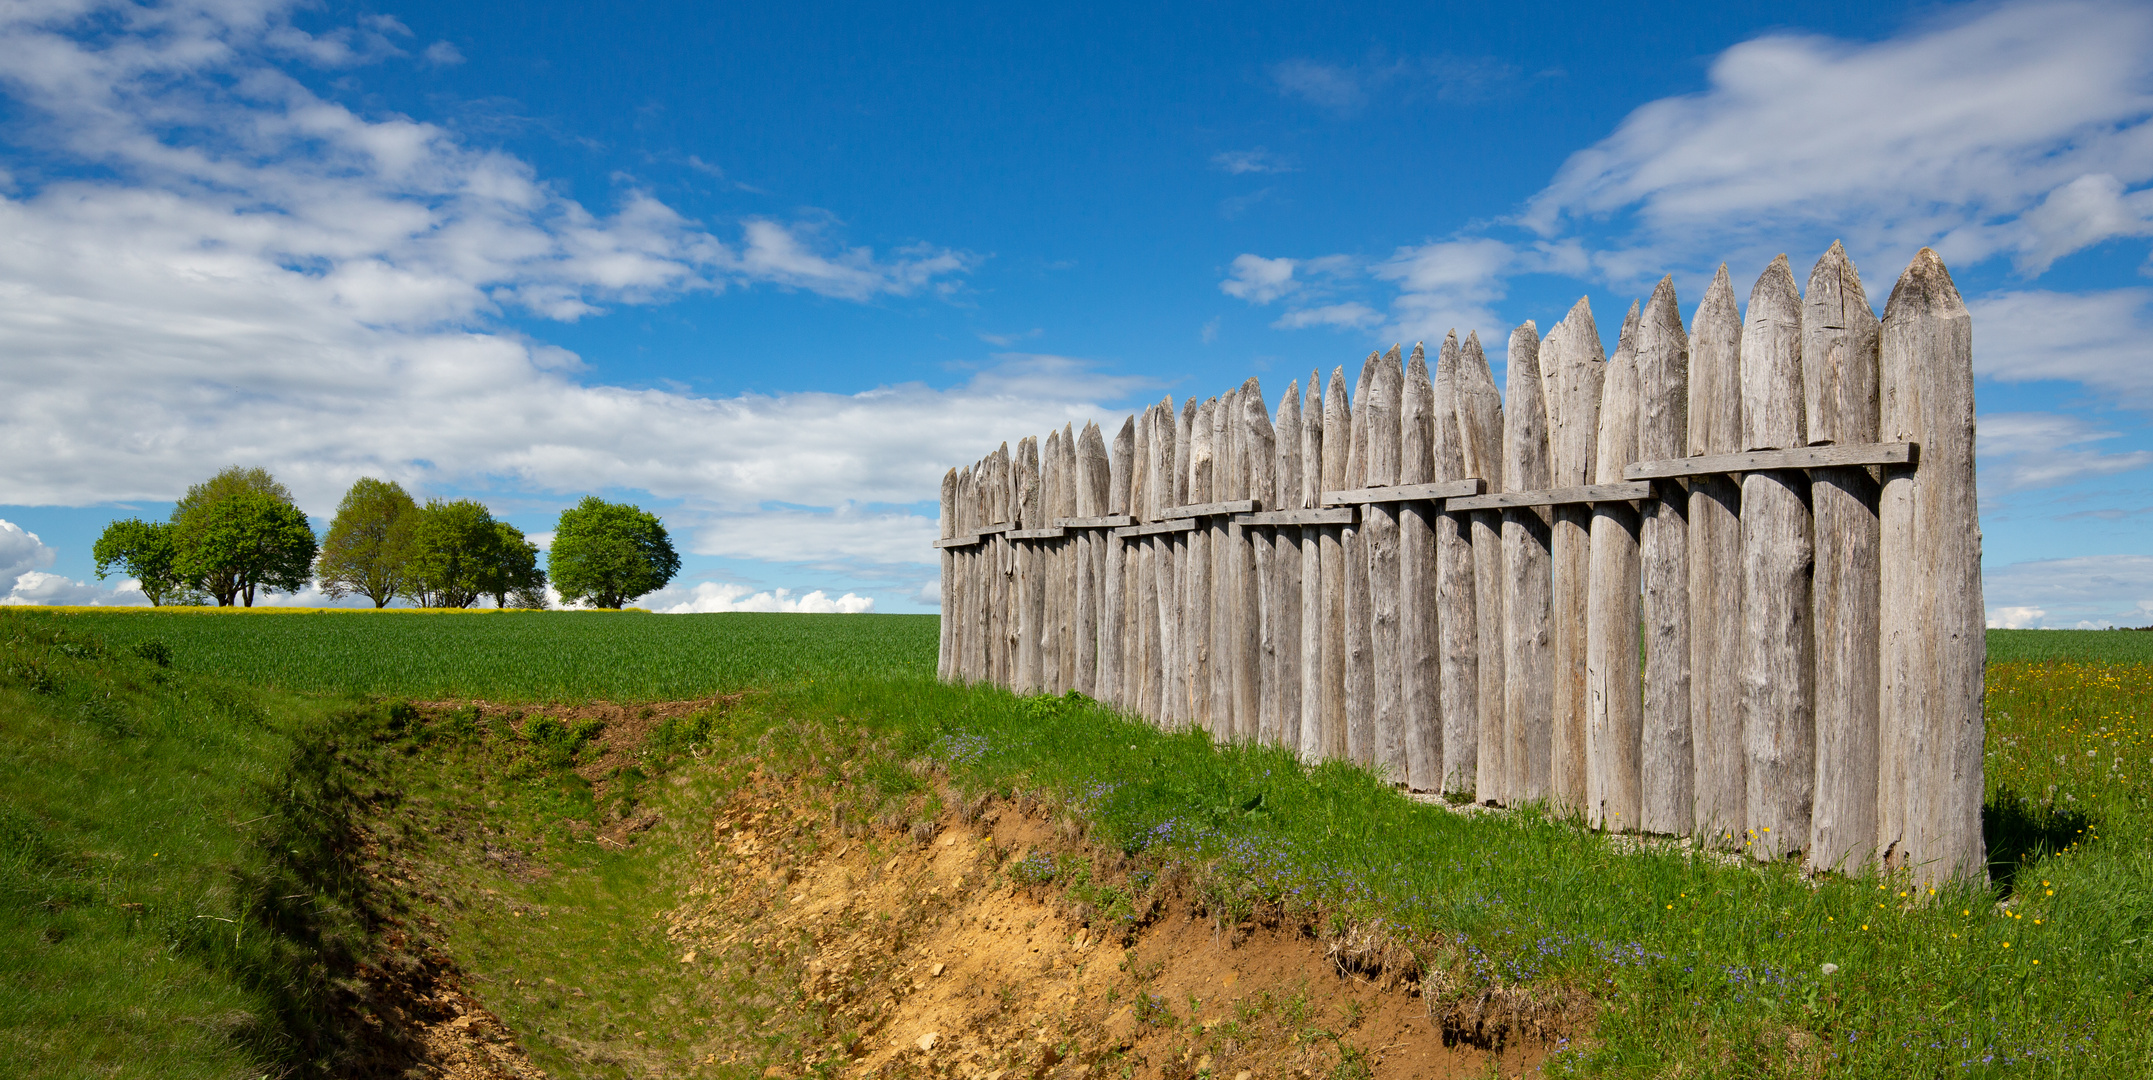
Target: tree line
239,533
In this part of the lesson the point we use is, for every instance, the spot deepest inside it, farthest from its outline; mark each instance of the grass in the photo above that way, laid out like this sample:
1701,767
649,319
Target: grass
2084,646
1702,969
516,656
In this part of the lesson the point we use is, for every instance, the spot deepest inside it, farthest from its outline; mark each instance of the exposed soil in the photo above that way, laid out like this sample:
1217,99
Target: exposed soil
933,958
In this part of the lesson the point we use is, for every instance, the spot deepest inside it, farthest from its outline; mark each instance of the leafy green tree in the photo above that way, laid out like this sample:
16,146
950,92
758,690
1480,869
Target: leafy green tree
610,553
244,542
224,485
368,550
146,551
516,580
455,553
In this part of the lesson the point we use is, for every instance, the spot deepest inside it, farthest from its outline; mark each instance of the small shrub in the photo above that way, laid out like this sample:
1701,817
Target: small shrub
153,650
555,743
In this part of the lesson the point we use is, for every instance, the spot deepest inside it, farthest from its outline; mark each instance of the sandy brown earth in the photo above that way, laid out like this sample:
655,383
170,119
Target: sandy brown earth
930,958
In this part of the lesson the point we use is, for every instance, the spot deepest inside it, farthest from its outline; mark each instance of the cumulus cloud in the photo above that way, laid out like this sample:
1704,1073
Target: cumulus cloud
2019,451
1259,280
2018,129
713,596
1451,285
2103,339
2099,590
22,581
1347,316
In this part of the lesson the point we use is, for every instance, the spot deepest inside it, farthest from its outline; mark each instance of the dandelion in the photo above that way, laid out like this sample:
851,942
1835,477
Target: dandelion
2006,944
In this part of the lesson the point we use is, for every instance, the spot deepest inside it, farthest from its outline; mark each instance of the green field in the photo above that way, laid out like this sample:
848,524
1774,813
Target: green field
110,765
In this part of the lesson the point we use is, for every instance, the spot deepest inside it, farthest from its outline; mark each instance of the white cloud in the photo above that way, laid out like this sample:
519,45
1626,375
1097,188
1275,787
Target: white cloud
2103,339
443,54
1258,160
2018,129
2019,451
1346,316
22,582
1328,85
21,552
2097,590
1259,280
1450,285
713,596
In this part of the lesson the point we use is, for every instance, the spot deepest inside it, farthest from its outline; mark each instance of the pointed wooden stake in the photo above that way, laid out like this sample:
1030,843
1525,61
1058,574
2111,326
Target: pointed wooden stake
1528,587
1572,367
1718,747
1666,761
1420,585
1456,597
1613,707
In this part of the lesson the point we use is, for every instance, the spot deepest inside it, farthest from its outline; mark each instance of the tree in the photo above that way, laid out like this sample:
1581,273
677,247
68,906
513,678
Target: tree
243,542
610,553
368,548
455,553
147,551
515,580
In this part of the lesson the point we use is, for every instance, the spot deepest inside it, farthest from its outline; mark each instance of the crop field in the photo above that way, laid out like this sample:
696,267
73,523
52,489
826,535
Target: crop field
519,656
1702,965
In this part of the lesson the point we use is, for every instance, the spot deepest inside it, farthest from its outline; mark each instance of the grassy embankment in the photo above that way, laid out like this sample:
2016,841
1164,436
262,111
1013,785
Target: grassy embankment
1706,968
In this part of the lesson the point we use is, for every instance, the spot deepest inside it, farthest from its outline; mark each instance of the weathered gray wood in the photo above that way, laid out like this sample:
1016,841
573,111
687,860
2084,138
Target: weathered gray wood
998,527
1666,761
1581,495
1360,616
958,542
1933,645
1135,637
1066,553
946,655
1455,597
1047,556
1090,504
1220,508
971,575
1447,489
1053,533
1332,554
1169,559
1420,585
1840,340
996,659
1256,689
1113,608
1098,521
1336,515
1802,457
1718,746
1201,599
1778,706
1161,436
1030,575
1221,648
1310,747
1282,591
1573,365
1480,441
1528,587
1614,708
1156,528
1380,526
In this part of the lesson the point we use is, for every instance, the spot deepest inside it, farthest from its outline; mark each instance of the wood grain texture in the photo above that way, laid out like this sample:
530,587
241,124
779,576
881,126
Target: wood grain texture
1219,644
1201,592
1801,457
1335,515
1031,574
1283,590
1360,616
1572,367
1778,702
1151,672
1718,747
1380,528
1455,597
1614,709
1113,603
1135,637
1480,440
1311,727
1255,691
1448,489
1933,646
1170,564
1092,469
1666,760
1420,586
1065,587
1528,585
1840,341
1157,528
1053,481
944,654
1582,495
1331,553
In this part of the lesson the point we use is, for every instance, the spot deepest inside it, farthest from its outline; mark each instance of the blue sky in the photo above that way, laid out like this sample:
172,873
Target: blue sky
768,270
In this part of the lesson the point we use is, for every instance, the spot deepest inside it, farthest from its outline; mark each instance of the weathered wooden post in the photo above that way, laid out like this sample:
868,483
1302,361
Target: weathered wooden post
1066,553
1221,649
1153,676
1380,523
1254,445
1135,638
1283,595
1420,584
1335,553
946,655
1840,340
1113,601
1313,649
1933,645
1718,745
1528,586
1360,616
1456,619
1202,596
1480,440
1613,705
996,564
1665,758
1572,367
1169,564
1778,705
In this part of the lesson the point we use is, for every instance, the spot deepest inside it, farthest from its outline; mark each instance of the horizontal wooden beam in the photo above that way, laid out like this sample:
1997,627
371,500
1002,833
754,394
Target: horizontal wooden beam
1032,534
997,527
1337,515
1157,527
1237,506
957,542
1448,489
1110,521
1590,493
1801,457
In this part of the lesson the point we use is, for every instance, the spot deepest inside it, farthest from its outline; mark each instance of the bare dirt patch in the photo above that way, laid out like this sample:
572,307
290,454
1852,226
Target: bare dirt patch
936,949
